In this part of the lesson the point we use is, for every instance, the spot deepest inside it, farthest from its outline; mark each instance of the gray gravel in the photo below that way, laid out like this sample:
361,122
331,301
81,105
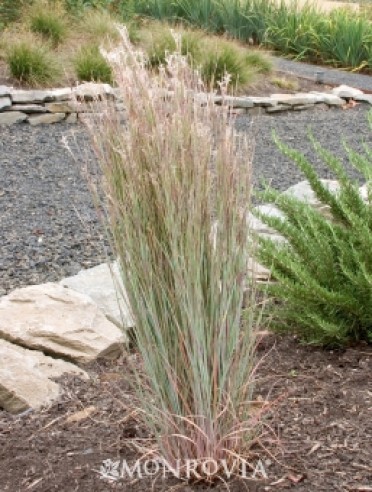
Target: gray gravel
48,223
332,76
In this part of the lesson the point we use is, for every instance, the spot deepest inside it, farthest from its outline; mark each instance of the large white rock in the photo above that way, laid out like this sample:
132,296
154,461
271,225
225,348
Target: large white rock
103,284
58,321
25,377
257,225
303,191
363,190
367,98
345,91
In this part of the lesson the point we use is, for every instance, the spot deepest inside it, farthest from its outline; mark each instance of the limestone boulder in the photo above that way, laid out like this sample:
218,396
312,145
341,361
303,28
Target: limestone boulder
26,377
5,103
20,96
12,117
346,92
91,91
103,284
303,192
5,91
363,190
46,119
58,321
366,98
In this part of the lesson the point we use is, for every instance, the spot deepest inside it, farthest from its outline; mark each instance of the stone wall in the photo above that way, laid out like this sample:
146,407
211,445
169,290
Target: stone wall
68,104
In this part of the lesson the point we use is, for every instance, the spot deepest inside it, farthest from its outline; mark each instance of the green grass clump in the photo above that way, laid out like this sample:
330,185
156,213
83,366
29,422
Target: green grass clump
49,24
90,65
178,186
10,11
222,59
99,24
32,63
324,271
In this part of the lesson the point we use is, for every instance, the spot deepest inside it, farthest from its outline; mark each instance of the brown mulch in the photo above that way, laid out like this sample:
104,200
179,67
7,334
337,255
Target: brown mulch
320,414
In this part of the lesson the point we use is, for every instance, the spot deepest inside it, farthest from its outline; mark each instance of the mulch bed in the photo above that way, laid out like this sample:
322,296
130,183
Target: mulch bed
320,416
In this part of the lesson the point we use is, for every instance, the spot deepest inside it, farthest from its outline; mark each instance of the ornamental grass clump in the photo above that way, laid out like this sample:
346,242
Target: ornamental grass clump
324,270
177,182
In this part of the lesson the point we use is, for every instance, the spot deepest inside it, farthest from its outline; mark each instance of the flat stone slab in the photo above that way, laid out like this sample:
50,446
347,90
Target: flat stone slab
236,102
12,117
278,108
5,103
103,284
25,377
28,108
5,91
63,107
295,99
58,321
330,99
20,96
46,119
347,92
366,98
91,91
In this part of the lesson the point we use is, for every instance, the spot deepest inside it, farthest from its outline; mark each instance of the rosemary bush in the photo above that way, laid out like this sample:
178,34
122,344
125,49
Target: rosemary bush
177,181
324,271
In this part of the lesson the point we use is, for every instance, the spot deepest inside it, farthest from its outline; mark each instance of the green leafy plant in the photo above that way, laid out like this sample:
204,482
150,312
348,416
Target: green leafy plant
178,184
90,65
30,62
324,270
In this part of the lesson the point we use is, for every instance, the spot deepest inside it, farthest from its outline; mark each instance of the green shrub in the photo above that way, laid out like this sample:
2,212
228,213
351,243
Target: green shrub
324,272
31,63
90,65
49,24
178,192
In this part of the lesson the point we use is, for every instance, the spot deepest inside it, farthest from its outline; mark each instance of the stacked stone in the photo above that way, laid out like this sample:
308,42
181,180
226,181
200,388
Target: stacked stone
68,104
39,107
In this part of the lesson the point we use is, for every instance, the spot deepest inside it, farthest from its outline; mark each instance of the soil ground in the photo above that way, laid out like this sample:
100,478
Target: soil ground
320,425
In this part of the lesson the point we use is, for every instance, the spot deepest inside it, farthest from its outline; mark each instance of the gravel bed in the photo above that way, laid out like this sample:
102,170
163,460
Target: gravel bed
48,222
332,76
